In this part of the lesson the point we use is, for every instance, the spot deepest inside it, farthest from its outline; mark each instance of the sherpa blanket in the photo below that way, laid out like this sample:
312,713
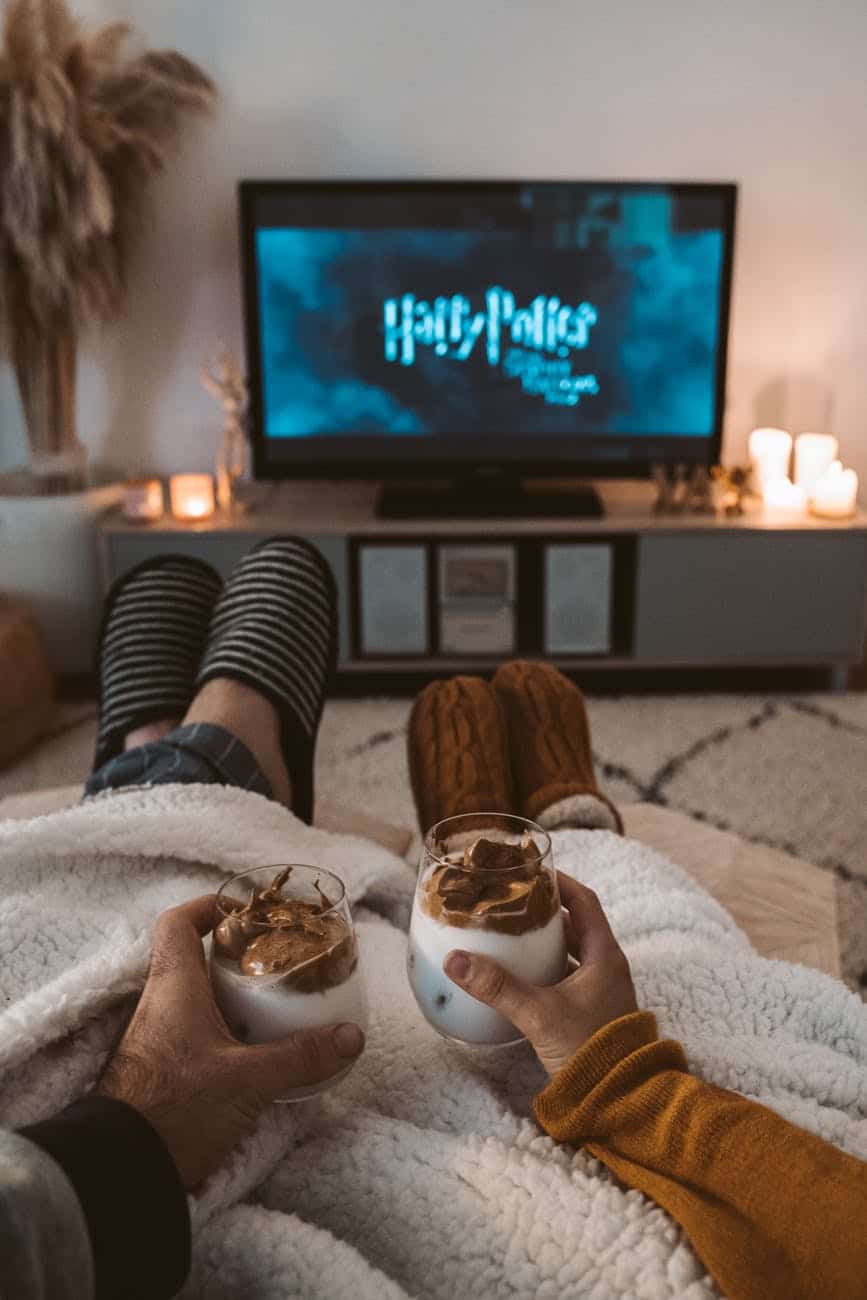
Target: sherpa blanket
424,1173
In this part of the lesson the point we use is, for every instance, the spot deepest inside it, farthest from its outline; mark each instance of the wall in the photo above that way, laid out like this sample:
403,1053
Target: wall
766,92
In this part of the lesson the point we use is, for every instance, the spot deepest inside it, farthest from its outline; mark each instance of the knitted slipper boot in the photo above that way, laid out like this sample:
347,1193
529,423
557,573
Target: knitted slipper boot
458,751
152,637
275,629
549,743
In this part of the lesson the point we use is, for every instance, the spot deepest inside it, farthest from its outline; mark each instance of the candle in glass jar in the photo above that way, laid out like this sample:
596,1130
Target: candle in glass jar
191,496
142,500
814,452
770,452
835,494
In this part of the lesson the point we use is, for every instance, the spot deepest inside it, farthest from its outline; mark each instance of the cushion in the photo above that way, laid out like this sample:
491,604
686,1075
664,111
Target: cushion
26,682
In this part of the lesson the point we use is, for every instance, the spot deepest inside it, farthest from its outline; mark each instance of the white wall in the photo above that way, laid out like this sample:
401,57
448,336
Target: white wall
770,93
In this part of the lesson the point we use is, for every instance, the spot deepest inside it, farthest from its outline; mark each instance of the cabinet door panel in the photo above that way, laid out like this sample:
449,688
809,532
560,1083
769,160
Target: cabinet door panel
578,582
750,596
393,600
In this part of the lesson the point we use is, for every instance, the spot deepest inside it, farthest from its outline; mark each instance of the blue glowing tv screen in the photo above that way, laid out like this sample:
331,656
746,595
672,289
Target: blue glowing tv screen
547,325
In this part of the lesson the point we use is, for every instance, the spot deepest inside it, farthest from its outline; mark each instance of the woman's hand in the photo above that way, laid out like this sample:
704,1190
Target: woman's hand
558,1019
181,1068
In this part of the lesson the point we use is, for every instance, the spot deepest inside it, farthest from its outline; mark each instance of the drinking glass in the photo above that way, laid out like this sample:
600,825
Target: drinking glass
512,914
323,987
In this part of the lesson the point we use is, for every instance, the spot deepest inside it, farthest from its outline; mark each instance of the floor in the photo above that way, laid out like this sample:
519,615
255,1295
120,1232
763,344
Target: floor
786,771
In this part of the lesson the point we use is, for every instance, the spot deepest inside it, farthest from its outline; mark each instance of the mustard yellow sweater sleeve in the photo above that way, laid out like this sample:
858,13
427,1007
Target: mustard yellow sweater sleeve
773,1212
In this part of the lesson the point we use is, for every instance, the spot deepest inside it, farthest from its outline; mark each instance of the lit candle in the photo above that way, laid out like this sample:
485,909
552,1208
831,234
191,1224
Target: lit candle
814,452
191,495
836,492
770,451
142,500
782,496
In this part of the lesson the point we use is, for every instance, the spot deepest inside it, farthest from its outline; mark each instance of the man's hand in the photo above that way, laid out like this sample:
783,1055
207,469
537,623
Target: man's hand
559,1019
181,1068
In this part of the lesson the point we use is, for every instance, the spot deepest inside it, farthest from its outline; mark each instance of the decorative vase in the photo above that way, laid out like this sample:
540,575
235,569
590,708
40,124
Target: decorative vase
231,465
45,368
49,560
57,472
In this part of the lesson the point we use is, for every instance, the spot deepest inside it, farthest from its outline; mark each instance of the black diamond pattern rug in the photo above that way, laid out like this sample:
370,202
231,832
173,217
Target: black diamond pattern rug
789,772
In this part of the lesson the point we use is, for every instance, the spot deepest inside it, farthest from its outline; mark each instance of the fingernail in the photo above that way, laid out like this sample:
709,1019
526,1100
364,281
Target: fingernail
348,1040
457,964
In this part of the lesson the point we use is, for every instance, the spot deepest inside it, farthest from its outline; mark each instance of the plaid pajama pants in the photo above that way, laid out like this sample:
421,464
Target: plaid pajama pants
197,753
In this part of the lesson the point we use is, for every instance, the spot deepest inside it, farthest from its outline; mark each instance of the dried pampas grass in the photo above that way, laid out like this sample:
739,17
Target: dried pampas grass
82,131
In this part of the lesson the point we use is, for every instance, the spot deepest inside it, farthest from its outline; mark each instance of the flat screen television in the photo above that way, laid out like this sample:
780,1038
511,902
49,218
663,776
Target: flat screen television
425,329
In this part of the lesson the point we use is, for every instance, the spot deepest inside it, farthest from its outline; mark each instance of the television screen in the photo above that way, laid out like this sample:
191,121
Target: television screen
545,324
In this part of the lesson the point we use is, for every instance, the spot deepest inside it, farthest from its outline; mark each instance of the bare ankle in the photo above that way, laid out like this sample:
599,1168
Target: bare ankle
253,719
149,733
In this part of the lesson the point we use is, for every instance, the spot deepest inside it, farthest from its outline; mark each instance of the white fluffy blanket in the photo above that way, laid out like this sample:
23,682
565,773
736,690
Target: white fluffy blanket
424,1174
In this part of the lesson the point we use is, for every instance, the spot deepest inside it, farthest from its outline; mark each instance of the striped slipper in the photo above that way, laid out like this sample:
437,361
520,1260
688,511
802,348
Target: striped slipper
275,629
153,634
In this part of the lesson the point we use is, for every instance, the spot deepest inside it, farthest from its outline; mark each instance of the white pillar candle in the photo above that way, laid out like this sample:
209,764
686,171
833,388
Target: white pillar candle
770,452
835,494
191,496
814,452
782,496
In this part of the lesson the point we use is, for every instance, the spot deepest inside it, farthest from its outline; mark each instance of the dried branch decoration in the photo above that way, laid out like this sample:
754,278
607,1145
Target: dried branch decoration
223,377
82,131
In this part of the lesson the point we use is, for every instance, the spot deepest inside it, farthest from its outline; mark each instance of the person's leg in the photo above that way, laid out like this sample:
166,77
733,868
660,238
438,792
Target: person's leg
519,745
458,751
201,752
550,748
253,701
150,732
254,721
274,635
153,635
230,734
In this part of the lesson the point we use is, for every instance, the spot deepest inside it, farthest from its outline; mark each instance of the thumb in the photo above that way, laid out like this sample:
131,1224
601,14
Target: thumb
306,1057
489,982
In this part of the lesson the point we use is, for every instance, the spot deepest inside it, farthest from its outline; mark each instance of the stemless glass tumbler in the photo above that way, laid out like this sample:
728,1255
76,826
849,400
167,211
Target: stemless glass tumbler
284,956
486,884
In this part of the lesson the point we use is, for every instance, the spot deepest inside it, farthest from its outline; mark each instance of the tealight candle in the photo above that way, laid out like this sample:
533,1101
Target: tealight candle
191,496
814,452
784,497
770,451
142,500
835,494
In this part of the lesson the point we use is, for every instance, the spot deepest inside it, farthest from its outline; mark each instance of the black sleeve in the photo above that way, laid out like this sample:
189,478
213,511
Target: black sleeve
130,1193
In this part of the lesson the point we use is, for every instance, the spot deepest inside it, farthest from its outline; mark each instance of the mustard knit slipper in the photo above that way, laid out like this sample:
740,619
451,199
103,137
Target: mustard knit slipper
549,745
458,751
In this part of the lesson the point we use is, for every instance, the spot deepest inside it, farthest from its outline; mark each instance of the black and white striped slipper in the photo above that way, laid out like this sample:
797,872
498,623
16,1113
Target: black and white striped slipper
275,629
153,634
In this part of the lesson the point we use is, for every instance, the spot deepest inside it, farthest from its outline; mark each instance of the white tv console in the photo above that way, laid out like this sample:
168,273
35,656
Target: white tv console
633,590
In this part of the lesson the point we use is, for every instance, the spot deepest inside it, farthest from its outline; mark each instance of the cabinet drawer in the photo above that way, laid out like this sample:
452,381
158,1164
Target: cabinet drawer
750,596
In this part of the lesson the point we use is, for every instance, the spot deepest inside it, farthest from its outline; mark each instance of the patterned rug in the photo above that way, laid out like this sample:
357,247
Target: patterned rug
790,772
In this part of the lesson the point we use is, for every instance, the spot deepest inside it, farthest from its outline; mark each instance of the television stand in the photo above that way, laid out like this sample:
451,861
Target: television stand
483,495
635,597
